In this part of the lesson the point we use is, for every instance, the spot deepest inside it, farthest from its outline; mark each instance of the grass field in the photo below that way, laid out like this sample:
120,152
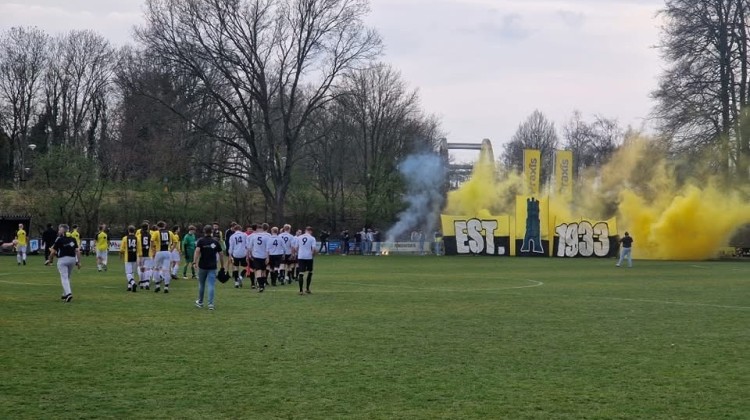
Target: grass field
386,337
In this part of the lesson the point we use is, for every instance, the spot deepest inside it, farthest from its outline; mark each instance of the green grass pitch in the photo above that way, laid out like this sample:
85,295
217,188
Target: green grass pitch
385,338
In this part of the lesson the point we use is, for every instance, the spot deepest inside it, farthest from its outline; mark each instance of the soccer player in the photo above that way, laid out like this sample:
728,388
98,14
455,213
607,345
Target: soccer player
259,253
207,254
175,257
145,263
218,235
21,242
48,237
188,247
249,230
275,255
163,244
227,234
75,235
69,255
288,242
238,254
102,248
305,251
129,254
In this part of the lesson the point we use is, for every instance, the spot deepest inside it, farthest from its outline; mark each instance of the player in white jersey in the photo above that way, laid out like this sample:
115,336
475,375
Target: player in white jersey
288,240
238,243
275,255
258,243
306,249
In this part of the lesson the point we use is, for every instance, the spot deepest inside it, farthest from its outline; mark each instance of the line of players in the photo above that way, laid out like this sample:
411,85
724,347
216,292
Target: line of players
257,253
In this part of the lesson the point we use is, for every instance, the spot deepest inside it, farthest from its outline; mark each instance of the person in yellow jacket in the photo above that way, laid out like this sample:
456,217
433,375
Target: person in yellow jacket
129,254
175,258
102,248
21,241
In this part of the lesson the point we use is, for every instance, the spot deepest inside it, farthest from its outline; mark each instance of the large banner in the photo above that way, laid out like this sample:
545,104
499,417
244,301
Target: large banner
563,186
474,236
586,238
532,166
532,227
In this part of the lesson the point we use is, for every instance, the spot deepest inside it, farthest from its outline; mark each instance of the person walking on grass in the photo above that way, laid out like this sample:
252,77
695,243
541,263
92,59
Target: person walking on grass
207,253
102,248
129,254
627,250
188,247
48,237
68,255
305,251
20,243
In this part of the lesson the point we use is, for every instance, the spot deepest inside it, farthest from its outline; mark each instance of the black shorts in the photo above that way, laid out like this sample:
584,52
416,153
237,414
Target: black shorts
305,265
288,259
259,263
275,260
240,262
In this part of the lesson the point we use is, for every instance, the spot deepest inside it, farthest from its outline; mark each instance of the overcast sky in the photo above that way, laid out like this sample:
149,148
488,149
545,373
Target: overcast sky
481,66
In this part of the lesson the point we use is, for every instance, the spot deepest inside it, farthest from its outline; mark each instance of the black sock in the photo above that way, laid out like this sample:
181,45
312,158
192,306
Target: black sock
300,281
282,275
235,275
274,276
192,270
309,280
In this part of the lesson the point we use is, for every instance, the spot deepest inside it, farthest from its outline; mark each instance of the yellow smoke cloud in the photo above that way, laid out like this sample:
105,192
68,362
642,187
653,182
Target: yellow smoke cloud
668,219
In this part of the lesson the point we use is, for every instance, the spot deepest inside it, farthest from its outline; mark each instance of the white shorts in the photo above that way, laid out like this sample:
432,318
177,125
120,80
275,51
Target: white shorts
130,268
21,249
175,256
147,263
101,254
162,260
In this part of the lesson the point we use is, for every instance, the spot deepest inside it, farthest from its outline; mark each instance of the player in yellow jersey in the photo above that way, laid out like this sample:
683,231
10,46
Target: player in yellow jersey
175,258
75,235
102,248
145,262
21,242
162,246
129,253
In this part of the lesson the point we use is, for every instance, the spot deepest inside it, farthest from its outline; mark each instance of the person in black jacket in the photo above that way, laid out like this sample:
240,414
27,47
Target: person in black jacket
48,237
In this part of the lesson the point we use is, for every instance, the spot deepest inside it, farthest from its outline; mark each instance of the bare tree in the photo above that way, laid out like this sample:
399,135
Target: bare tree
592,143
703,93
268,66
23,59
536,132
385,124
77,90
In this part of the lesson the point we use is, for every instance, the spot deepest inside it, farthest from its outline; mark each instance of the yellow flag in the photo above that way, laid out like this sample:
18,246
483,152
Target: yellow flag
564,174
532,166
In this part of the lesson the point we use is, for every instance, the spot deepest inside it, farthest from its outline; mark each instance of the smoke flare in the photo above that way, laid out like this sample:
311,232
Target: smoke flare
425,175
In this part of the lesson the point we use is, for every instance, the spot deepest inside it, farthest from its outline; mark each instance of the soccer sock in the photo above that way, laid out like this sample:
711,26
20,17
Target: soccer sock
252,277
274,276
18,258
24,256
282,275
309,280
165,277
235,275
300,280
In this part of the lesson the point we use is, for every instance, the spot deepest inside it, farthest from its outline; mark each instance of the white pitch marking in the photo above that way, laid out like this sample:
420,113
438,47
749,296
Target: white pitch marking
436,289
667,302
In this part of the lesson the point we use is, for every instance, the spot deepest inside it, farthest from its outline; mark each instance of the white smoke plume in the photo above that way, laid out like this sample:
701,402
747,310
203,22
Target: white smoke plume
425,175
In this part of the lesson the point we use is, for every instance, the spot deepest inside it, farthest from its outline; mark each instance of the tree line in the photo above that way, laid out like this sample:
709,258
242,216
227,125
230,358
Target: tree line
283,109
